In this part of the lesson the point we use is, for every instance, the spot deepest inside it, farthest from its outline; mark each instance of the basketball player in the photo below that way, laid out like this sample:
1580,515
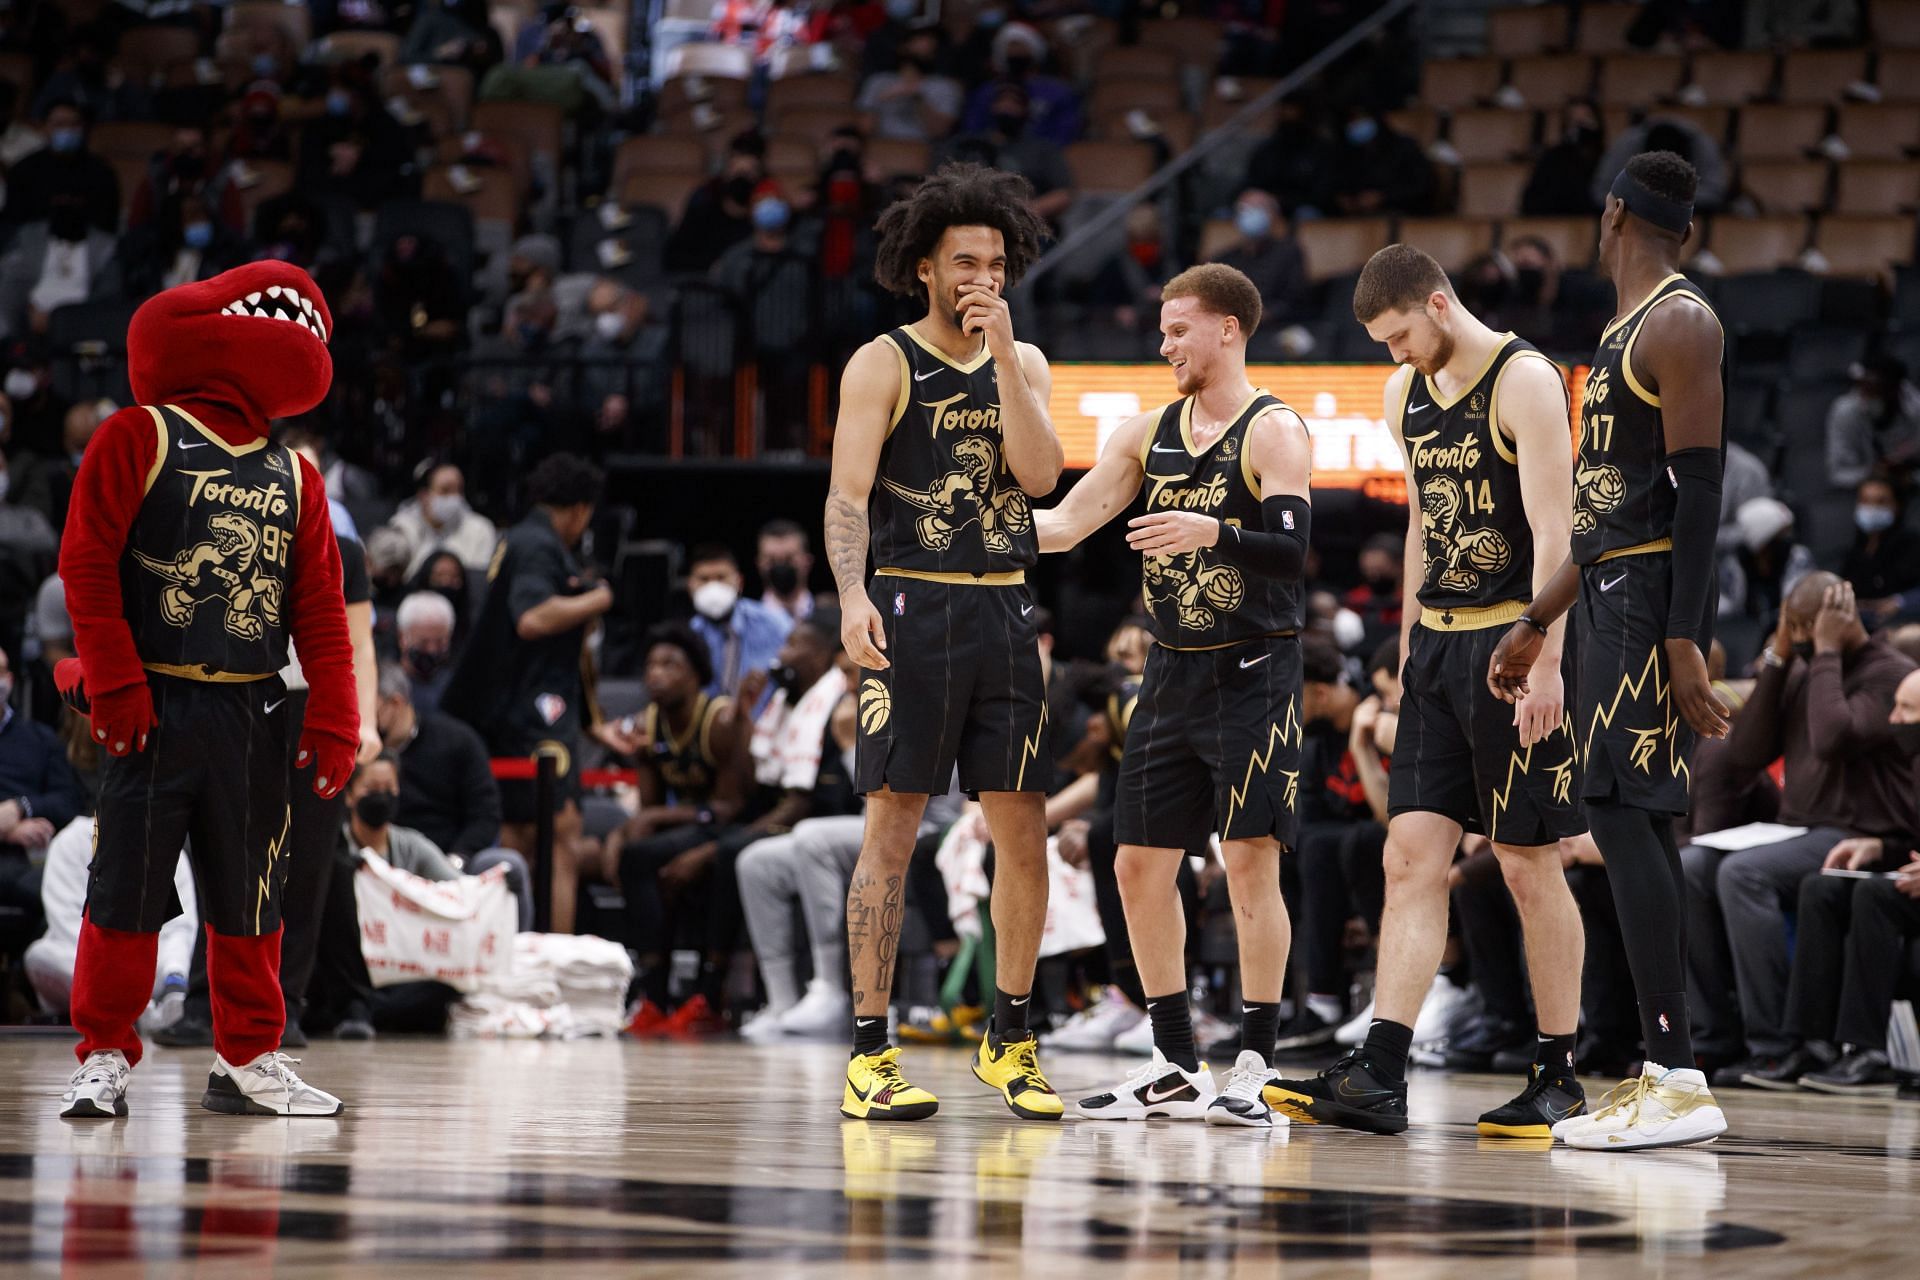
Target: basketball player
1214,741
1646,508
942,442
1482,417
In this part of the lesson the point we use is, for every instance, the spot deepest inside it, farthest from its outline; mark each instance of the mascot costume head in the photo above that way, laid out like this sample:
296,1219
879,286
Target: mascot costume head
254,337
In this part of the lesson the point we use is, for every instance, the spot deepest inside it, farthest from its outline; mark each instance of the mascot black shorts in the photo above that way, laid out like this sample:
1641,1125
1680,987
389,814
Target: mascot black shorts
213,780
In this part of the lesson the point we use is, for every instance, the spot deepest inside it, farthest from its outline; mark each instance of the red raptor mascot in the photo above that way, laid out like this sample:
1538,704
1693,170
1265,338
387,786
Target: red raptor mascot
194,550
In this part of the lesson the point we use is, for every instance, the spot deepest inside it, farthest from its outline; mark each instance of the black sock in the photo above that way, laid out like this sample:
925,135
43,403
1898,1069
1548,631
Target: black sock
869,1034
1173,1029
1259,1027
1669,1037
1386,1048
1554,1056
1010,1014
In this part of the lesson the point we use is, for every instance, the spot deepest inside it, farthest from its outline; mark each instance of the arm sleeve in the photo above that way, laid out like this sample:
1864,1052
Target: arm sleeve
1696,526
107,493
1279,549
319,616
480,796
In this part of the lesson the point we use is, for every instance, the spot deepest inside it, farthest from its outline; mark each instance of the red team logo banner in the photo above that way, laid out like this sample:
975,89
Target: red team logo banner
1352,447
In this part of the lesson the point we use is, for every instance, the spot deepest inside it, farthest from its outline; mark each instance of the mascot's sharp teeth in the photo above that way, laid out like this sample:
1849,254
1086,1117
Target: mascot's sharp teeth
253,299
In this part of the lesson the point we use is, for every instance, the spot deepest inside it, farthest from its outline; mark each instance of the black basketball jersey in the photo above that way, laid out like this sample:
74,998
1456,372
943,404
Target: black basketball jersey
1199,599
205,573
687,764
1477,545
1623,498
943,500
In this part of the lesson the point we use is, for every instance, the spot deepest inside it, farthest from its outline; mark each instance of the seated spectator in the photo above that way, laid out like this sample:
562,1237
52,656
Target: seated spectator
454,33
42,795
530,265
1004,141
187,168
1745,478
443,574
1379,596
54,263
437,517
1129,282
1874,423
718,215
1766,564
447,790
49,960
784,561
1295,164
1560,185
1884,561
424,628
742,636
420,300
1050,109
64,171
259,132
48,483
798,772
355,147
27,548
181,244
1378,170
1850,942
37,411
1666,133
1826,714
20,138
912,101
1267,254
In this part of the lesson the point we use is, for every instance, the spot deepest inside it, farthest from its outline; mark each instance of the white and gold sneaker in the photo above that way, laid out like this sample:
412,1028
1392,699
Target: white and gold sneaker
1661,1108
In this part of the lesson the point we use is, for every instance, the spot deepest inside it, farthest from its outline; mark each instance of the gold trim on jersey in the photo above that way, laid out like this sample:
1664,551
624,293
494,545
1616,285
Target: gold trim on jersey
696,725
1474,618
906,383
1504,445
206,674
299,487
970,366
235,450
1225,644
1444,403
1011,578
1650,296
1638,549
716,707
1186,422
160,451
1626,353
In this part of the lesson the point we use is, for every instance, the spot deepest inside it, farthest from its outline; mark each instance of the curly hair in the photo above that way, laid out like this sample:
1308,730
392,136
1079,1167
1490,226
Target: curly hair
678,635
958,195
1665,174
565,480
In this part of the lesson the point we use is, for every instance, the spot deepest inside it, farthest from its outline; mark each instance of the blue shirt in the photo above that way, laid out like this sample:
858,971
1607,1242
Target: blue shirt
750,638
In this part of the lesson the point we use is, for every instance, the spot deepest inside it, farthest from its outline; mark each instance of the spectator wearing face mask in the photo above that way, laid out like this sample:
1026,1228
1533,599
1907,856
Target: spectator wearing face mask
1131,279
784,561
1006,140
424,629
1884,561
1379,170
437,517
48,483
1874,423
1563,175
775,285
1267,254
354,147
1052,108
181,244
1378,598
1666,133
1766,565
741,635
65,169
1295,164
623,380
37,412
53,264
912,101
718,215
186,168
38,794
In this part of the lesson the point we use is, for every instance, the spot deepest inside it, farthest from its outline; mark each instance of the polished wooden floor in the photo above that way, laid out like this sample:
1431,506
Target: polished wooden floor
723,1159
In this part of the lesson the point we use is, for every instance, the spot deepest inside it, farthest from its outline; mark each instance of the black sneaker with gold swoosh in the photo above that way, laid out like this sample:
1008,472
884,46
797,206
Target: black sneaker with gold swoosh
1350,1094
1545,1102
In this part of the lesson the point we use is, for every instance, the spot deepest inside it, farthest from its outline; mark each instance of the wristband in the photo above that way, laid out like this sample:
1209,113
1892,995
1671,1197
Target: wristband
1535,623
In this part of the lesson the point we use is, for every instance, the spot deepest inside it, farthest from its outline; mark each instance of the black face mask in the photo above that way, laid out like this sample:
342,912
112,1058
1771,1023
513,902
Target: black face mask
783,577
1009,124
787,678
1383,586
425,662
740,189
1906,739
375,809
1803,650
67,222
1528,282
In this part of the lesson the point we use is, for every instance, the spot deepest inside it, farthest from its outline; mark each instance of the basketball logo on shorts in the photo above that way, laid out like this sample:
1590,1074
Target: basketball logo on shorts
899,604
876,706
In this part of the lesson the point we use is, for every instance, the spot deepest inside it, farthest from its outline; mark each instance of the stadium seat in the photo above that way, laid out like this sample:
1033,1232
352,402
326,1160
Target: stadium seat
145,52
1878,187
1903,346
1786,186
1820,75
129,140
1194,40
610,22
1640,79
1448,83
889,158
1176,127
1218,109
707,58
1217,235
1452,242
1491,134
793,160
1108,166
807,91
657,153
1491,190
1756,244
1896,23
1110,96
642,244
1551,80
1878,130
683,92
1603,27
1767,301
492,196
1906,300
1574,241
666,192
1749,413
1146,61
539,128
1730,78
101,325
1715,122
16,69
1780,131
817,122
1865,248
1528,29
1898,75
270,178
293,21
1339,246
507,153
1418,121
448,225
352,46
1815,351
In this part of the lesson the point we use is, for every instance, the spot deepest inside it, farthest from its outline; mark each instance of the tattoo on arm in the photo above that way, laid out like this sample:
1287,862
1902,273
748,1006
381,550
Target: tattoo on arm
846,529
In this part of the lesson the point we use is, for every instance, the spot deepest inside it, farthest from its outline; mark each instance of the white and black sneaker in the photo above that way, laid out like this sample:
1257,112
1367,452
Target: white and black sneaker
1157,1088
1241,1102
98,1089
267,1086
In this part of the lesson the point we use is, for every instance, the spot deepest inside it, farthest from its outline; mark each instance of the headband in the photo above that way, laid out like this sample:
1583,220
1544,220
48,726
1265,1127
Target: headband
1668,215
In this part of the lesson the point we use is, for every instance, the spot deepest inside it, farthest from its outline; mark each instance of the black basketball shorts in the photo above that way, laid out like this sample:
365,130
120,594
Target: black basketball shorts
1213,747
213,780
963,688
1457,752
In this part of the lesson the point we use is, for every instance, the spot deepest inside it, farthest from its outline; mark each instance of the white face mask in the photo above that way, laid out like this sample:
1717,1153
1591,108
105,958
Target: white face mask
21,384
446,508
609,325
715,599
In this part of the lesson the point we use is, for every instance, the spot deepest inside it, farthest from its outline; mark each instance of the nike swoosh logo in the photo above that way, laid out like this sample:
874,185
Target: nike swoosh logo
865,1022
858,1092
1346,1090
182,444
272,707
1023,999
1160,448
1608,586
1155,1095
1417,408
1025,609
1253,662
922,377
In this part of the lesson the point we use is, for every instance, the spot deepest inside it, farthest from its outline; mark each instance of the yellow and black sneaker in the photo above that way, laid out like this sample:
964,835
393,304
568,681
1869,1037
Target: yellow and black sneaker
1545,1102
877,1091
1013,1067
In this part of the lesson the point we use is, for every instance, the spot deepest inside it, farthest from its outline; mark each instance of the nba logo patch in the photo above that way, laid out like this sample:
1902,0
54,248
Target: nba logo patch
899,604
551,707
1665,1026
1286,520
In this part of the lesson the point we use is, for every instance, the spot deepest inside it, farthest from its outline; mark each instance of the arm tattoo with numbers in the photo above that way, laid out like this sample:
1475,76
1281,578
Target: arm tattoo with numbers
846,529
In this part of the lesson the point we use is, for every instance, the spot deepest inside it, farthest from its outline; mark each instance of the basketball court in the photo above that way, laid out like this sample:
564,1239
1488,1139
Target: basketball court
726,1159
